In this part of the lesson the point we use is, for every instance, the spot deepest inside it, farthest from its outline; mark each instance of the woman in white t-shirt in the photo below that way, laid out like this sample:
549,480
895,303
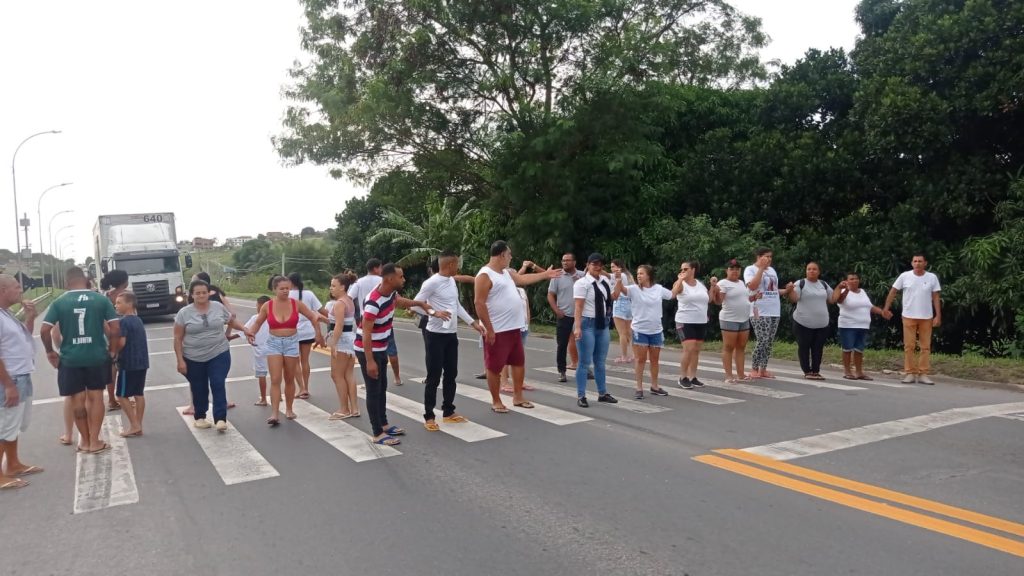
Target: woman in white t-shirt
691,320
735,298
855,310
307,331
645,300
622,312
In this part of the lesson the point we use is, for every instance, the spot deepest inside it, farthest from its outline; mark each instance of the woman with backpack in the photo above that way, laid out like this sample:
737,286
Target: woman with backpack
810,319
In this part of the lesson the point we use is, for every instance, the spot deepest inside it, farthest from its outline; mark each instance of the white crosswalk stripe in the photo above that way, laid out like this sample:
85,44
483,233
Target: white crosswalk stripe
467,431
340,434
738,387
570,392
232,456
108,478
539,411
687,394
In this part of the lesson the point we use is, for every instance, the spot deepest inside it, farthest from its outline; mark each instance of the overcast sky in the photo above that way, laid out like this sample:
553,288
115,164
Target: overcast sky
169,107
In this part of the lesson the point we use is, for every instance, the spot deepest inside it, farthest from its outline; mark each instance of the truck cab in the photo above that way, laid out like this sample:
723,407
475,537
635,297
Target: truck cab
144,246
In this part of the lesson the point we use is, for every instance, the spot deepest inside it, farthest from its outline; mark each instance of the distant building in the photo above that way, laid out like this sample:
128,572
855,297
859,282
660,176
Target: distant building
237,241
203,243
185,245
278,236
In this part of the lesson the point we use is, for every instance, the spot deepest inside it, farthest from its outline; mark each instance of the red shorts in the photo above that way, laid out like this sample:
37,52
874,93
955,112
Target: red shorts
506,350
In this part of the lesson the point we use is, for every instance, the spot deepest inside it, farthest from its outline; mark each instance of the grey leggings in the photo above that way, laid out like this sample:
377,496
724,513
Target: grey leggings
764,330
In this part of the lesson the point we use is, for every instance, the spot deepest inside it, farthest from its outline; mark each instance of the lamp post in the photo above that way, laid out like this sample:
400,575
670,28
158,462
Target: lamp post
56,236
67,241
39,222
14,185
49,237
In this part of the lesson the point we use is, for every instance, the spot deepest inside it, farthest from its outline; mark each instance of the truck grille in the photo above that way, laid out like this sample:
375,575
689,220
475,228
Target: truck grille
144,296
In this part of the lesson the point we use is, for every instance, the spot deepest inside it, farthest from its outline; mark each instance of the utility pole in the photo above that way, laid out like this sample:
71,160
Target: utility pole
282,261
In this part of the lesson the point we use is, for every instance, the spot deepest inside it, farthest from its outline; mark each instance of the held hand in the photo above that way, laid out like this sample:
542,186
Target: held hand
681,276
759,295
714,280
936,322
11,395
843,285
182,368
789,287
319,342
887,314
54,358
529,265
553,272
479,328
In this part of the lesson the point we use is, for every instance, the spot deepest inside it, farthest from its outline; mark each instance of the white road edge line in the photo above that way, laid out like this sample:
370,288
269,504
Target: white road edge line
340,434
468,431
548,414
685,394
832,441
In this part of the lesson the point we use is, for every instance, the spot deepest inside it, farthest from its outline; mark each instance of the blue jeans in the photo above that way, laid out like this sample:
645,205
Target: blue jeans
208,377
593,349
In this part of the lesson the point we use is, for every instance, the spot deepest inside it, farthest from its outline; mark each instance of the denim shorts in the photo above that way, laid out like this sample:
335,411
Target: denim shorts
283,346
524,334
728,326
853,339
14,421
392,345
622,309
649,340
346,343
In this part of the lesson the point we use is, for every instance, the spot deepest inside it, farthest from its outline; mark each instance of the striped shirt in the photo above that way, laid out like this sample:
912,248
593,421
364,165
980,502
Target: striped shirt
380,310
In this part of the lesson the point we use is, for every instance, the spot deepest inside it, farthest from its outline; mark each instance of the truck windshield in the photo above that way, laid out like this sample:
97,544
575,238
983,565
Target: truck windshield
149,265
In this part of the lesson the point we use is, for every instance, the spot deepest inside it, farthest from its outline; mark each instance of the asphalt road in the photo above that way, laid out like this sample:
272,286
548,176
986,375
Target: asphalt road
854,478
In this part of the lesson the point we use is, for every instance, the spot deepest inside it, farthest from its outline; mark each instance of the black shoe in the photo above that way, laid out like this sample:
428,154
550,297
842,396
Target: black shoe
582,402
684,382
590,374
607,398
659,392
562,378
639,395
481,376
697,383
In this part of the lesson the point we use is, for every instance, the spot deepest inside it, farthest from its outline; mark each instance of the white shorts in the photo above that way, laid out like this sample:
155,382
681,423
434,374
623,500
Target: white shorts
14,421
259,364
346,343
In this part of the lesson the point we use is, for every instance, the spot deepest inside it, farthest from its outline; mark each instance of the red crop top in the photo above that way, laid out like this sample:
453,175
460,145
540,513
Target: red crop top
291,322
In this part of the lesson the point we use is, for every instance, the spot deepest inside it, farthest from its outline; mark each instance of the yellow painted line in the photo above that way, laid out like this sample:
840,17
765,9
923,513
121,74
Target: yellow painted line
878,492
882,509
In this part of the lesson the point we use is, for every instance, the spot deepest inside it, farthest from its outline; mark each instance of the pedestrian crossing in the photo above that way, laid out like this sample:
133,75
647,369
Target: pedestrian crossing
108,479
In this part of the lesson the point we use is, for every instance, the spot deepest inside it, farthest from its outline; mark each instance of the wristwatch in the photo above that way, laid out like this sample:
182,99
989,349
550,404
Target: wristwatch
431,312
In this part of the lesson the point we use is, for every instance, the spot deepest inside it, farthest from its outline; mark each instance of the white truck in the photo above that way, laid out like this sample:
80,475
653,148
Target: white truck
146,247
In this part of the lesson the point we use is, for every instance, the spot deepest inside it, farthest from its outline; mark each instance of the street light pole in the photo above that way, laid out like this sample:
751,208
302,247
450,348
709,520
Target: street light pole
66,241
49,236
39,224
14,185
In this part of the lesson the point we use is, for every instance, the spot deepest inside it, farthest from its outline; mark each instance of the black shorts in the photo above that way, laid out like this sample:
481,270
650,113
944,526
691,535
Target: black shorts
130,383
692,332
308,341
74,379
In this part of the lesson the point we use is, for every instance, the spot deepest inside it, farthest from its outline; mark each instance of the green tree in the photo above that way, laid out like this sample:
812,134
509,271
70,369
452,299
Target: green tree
255,255
446,226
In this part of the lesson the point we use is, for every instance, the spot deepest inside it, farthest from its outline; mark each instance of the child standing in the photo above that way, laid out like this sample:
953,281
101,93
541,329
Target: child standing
132,363
259,353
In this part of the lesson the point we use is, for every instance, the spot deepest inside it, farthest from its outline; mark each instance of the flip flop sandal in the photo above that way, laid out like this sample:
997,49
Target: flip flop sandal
523,404
388,441
104,448
864,377
13,484
455,419
303,396
431,426
527,387
273,422
261,403
291,416
28,471
849,377
338,416
395,431
501,410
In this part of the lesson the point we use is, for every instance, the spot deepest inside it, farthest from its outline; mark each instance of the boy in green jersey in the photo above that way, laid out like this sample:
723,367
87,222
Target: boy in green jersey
88,326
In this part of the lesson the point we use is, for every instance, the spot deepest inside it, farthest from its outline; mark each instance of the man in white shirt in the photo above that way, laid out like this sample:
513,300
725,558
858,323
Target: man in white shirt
922,311
358,292
501,312
17,362
441,339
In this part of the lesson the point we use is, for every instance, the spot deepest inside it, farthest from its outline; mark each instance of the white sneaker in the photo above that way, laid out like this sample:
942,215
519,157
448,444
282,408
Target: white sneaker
924,379
202,424
222,425
909,379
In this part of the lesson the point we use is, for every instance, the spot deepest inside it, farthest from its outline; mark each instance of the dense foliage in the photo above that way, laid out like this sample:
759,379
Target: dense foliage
646,130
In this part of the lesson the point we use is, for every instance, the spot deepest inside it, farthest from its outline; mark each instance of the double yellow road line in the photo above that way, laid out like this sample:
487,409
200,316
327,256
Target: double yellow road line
817,484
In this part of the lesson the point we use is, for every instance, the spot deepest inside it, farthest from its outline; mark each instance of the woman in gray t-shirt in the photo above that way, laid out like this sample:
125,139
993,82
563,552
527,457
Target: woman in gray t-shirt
203,354
810,319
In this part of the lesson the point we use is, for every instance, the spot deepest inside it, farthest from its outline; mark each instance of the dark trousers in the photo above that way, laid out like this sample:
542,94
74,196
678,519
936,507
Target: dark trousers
206,378
442,357
376,390
563,331
810,342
